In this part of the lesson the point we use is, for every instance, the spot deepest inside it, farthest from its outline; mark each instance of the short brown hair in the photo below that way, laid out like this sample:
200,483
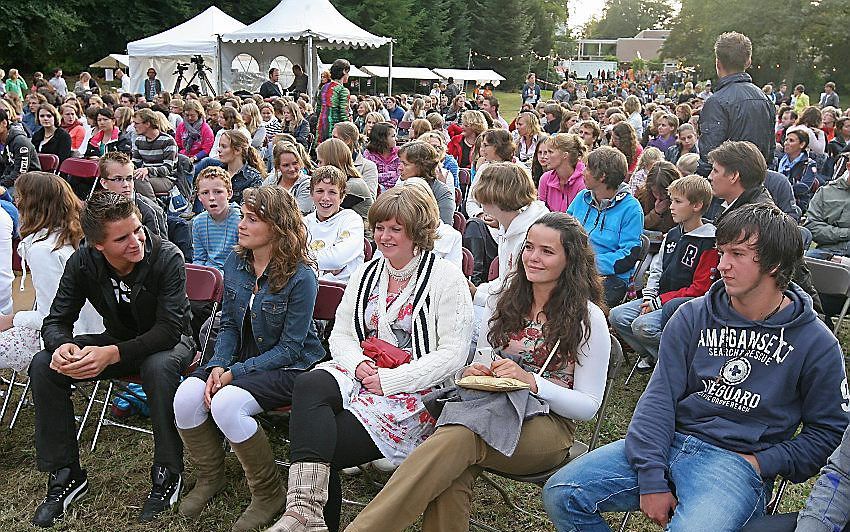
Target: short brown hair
506,185
694,188
609,164
409,207
102,208
502,142
733,51
743,157
215,172
116,157
424,156
330,175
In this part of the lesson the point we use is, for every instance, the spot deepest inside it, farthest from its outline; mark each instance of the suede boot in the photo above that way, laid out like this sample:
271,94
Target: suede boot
204,445
306,496
263,477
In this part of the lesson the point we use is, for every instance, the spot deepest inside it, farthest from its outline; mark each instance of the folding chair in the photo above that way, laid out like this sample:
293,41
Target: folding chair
493,271
464,177
203,284
458,199
578,448
49,162
831,278
635,280
368,252
10,383
459,222
468,262
82,170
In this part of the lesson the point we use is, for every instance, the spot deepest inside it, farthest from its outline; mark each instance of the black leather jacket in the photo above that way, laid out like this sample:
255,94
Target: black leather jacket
160,305
738,110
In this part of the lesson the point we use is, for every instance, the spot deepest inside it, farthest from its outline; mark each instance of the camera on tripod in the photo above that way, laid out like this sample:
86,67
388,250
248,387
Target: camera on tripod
181,67
199,62
204,86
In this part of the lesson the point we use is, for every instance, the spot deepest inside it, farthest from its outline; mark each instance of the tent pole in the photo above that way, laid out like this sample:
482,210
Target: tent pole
390,72
219,81
311,79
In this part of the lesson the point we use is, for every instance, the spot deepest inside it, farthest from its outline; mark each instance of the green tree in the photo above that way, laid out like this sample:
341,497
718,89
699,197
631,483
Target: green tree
625,18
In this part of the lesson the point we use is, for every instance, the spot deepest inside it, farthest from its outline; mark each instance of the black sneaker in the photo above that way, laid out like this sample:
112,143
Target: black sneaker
62,491
164,492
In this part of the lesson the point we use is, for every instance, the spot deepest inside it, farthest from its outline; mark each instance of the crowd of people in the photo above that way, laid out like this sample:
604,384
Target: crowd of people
504,249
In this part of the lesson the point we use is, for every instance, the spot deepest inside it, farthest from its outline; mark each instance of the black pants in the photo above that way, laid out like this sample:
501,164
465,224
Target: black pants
478,240
320,430
55,432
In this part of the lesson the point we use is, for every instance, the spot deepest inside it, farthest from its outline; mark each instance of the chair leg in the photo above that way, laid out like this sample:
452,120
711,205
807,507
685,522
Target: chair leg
632,372
21,401
100,420
7,396
625,521
507,497
88,409
841,316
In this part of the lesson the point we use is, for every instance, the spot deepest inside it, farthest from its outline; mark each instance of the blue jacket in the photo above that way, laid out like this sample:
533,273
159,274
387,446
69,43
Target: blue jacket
743,386
614,231
282,322
802,172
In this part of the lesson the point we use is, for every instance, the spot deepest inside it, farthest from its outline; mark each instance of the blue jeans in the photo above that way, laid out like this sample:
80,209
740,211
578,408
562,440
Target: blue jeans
641,331
614,289
716,490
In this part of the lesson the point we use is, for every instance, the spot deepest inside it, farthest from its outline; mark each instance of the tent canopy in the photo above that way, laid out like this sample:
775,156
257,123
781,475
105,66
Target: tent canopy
468,75
401,72
112,61
297,20
195,36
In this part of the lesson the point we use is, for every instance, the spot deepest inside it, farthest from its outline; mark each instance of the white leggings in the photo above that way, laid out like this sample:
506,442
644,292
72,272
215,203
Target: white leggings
232,408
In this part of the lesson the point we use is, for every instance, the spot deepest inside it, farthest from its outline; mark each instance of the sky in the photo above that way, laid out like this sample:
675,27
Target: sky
583,10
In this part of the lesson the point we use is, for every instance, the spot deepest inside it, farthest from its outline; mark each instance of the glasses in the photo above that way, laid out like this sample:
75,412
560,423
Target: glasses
128,179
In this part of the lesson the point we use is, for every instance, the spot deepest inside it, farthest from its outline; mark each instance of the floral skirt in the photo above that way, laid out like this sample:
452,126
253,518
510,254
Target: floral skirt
397,423
17,347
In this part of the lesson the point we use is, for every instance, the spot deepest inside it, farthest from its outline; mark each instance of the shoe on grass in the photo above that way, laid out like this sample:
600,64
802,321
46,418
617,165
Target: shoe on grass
645,365
62,491
165,491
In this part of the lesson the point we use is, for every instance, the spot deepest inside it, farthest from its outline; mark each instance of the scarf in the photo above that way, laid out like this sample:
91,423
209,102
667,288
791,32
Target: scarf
191,133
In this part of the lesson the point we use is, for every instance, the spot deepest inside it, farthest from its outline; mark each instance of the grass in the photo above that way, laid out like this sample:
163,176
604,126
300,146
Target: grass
119,471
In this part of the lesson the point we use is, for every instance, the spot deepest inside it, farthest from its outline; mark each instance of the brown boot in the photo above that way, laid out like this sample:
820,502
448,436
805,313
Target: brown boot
204,445
306,496
263,477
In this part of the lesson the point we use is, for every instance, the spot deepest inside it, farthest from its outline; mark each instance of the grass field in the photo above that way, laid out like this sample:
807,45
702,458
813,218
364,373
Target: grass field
119,469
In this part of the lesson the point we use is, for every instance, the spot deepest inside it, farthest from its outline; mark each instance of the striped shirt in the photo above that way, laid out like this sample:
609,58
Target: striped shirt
159,155
213,241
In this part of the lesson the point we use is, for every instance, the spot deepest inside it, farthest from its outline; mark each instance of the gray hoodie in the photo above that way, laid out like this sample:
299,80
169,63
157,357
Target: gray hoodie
828,506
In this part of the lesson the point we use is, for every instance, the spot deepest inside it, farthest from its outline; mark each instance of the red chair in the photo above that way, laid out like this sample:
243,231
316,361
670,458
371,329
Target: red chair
459,222
464,175
405,125
327,300
82,170
203,284
48,162
468,262
368,252
493,271
458,199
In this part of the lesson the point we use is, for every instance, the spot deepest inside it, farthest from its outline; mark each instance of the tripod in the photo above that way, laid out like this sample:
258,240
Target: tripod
180,79
205,85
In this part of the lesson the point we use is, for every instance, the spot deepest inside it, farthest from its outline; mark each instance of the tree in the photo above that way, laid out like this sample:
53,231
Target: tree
626,18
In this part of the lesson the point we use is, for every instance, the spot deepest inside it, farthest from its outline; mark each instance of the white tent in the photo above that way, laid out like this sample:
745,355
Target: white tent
295,29
197,36
401,72
480,76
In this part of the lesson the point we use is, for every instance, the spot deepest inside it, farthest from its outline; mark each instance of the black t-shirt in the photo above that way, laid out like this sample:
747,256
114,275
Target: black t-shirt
465,155
122,288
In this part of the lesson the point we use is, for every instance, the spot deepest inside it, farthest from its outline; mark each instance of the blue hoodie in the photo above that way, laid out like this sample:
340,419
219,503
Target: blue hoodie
743,386
614,229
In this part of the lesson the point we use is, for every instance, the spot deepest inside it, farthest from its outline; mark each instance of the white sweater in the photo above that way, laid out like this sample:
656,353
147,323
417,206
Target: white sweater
47,266
591,371
336,243
442,325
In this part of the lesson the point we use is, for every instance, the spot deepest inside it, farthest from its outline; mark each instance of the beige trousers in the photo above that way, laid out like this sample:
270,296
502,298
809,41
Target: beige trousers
437,478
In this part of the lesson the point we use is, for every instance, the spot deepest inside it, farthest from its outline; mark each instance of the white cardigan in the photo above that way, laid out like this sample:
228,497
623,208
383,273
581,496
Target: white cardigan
442,325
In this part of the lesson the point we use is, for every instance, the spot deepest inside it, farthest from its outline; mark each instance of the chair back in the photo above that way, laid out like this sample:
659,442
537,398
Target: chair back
368,252
493,271
829,277
615,362
204,283
79,168
459,222
468,262
49,162
464,175
405,125
327,300
458,198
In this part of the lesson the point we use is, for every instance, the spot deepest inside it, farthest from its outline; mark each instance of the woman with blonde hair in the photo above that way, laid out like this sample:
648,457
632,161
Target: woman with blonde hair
194,136
419,126
295,124
267,339
289,173
403,327
348,133
372,118
462,145
254,123
363,109
50,233
648,158
632,107
526,136
420,159
447,170
334,152
565,178
242,161
417,110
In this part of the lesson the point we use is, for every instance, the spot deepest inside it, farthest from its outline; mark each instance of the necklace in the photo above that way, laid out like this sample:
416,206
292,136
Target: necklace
404,273
775,310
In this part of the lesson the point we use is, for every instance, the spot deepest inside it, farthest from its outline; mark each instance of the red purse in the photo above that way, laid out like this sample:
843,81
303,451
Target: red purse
385,354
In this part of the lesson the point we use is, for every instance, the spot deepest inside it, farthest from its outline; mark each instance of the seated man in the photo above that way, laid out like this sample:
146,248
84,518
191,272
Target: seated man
613,219
739,370
829,219
116,174
137,282
154,154
18,155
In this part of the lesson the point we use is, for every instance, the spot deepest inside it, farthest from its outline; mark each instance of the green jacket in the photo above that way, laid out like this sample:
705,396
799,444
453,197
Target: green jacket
17,86
828,216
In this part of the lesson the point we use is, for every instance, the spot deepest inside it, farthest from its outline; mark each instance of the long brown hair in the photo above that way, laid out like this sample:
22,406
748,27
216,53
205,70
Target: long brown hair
567,315
46,201
627,140
277,207
239,142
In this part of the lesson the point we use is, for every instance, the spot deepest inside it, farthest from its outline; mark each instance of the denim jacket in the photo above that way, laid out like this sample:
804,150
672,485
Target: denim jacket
282,322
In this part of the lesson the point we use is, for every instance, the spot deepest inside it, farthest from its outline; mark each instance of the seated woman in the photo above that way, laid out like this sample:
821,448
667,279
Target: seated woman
561,184
350,411
72,125
550,332
447,170
449,242
798,166
624,138
107,137
334,152
266,340
462,145
336,234
382,150
241,161
348,133
51,138
372,118
194,136
254,123
420,159
86,85
290,174
295,124
50,233
654,199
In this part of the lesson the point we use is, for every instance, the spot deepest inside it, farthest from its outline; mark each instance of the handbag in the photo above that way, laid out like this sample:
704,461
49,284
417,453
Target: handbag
385,354
489,383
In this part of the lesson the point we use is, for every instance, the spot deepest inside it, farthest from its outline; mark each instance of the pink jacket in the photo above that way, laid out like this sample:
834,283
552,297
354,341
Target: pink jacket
557,196
388,171
201,148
